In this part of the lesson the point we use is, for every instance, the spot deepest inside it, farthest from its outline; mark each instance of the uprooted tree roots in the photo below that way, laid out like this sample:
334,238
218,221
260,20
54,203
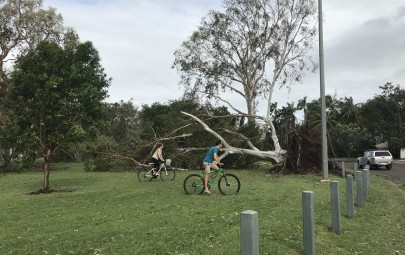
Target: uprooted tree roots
304,154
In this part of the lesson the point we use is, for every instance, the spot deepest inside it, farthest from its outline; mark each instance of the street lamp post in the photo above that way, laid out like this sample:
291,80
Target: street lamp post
323,103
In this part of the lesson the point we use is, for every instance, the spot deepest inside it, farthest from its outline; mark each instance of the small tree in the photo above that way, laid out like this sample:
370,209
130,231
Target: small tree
23,24
57,93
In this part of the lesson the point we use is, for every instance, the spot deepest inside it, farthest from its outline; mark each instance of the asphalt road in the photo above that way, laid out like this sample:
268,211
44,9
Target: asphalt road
397,171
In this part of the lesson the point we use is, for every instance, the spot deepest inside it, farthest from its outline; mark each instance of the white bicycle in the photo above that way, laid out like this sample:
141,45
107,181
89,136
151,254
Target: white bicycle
165,172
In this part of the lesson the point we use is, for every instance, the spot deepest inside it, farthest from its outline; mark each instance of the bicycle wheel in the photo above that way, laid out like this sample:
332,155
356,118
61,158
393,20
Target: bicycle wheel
229,184
167,174
145,175
193,184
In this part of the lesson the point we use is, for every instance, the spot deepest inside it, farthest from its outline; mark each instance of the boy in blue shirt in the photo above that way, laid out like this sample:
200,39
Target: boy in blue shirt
211,160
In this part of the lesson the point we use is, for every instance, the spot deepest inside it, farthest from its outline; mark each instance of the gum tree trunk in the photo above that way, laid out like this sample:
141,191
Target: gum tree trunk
47,170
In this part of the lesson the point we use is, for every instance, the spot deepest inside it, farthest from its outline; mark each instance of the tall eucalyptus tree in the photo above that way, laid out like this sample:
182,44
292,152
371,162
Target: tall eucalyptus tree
248,49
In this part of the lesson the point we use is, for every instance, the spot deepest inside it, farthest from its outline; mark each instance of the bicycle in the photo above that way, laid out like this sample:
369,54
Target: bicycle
228,184
165,172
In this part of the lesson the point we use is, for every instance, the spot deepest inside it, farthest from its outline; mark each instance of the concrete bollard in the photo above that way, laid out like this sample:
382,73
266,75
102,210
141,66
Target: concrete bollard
359,186
368,180
365,183
308,218
249,233
349,196
343,169
335,205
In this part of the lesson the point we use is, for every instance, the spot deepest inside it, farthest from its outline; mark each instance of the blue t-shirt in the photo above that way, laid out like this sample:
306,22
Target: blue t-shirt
209,158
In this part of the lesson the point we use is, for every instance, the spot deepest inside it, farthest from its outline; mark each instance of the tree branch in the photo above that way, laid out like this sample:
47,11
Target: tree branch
274,156
247,140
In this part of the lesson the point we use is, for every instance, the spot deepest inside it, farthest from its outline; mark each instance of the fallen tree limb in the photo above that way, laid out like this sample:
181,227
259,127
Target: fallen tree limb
276,156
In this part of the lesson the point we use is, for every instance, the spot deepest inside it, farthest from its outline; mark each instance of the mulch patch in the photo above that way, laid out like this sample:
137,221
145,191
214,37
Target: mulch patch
41,191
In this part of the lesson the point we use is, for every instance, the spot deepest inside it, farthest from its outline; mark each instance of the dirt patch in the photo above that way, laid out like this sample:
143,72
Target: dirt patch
41,191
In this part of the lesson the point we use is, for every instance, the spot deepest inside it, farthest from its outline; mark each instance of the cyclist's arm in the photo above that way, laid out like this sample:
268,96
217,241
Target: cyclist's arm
217,159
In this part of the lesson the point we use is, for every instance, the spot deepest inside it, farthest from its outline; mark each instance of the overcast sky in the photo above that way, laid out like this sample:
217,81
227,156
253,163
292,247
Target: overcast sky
364,46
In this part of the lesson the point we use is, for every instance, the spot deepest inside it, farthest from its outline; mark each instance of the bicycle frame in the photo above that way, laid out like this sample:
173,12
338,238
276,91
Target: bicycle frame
154,169
214,176
165,172
228,184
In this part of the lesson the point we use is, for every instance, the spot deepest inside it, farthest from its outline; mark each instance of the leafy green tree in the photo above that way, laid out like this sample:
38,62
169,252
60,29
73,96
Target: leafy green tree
350,140
118,138
23,24
349,112
383,116
286,121
57,93
122,119
332,117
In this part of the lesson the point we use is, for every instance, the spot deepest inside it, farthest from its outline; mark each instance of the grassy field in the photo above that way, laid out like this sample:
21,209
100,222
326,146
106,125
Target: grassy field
113,213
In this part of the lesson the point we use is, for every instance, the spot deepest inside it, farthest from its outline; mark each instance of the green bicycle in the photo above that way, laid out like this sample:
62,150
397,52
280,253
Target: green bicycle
228,184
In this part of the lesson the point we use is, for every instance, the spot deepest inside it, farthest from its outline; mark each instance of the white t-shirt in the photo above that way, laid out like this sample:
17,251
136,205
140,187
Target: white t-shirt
157,153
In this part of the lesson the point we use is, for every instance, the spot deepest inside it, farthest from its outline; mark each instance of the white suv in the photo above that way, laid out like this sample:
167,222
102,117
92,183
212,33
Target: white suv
376,159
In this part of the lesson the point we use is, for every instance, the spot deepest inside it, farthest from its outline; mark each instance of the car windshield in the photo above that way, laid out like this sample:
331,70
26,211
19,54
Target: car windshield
382,153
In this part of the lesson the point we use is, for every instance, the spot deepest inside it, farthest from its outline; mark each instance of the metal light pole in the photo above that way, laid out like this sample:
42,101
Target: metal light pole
323,103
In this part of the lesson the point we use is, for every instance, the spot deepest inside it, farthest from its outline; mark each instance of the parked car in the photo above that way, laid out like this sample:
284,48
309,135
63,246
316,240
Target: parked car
376,158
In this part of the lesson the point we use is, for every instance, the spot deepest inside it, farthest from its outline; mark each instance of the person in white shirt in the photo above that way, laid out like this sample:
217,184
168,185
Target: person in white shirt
157,157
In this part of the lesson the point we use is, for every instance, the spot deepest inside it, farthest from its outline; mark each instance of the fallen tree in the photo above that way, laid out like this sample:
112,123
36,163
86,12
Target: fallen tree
303,154
276,156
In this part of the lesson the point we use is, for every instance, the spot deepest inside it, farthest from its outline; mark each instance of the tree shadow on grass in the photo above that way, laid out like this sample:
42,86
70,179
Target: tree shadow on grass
41,191
60,183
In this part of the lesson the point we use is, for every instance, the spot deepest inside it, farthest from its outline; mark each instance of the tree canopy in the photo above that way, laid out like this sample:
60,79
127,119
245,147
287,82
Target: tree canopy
23,24
57,93
234,51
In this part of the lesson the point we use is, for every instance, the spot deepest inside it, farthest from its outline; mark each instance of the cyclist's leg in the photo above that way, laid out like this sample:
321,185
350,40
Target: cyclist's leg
208,175
155,166
214,165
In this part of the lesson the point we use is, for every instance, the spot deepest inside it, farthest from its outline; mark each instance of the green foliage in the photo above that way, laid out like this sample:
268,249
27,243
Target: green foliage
350,140
122,120
383,116
58,93
162,119
284,122
354,128
396,143
97,155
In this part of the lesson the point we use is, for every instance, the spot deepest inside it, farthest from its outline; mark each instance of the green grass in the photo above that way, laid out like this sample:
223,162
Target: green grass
113,213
